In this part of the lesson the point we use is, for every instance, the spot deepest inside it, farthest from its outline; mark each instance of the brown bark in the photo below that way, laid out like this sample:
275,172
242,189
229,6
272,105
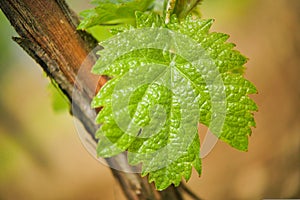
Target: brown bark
47,30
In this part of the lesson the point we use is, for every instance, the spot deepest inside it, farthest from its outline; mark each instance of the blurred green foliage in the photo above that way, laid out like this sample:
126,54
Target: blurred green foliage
58,99
225,9
112,12
5,47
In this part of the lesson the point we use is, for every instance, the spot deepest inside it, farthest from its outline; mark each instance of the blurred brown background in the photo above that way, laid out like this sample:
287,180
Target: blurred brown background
41,156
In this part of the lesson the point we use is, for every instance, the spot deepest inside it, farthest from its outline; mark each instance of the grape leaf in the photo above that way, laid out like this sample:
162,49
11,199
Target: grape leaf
167,78
111,12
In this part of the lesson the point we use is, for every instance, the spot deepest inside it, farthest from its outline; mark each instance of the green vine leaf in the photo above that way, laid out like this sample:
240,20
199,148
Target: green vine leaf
112,12
167,78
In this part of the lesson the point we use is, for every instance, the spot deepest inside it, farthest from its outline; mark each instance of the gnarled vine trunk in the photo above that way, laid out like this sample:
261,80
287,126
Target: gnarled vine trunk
47,30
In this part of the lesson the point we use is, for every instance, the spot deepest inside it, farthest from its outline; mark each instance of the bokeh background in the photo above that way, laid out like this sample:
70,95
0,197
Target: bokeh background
41,156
